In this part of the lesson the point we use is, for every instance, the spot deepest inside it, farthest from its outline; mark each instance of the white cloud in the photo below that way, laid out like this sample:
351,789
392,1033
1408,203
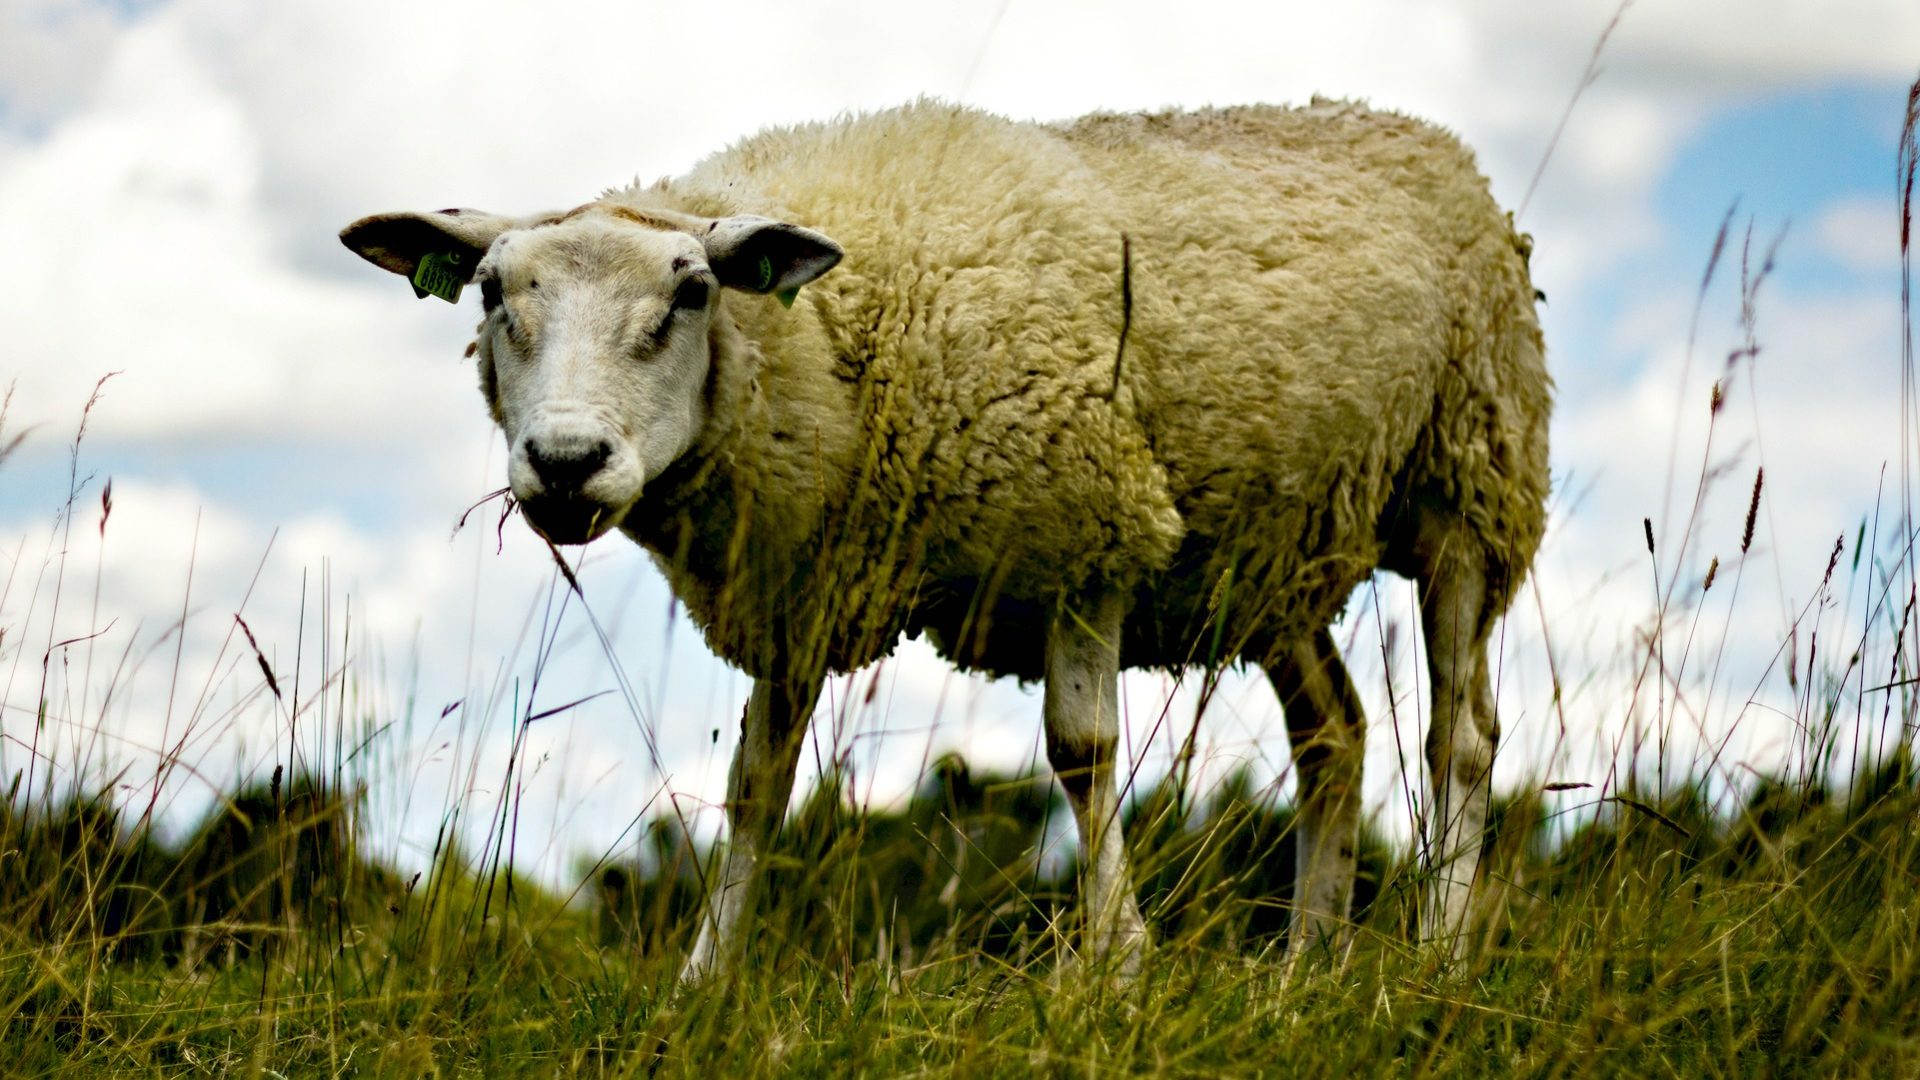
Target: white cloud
1715,46
1750,44
50,54
1861,234
151,254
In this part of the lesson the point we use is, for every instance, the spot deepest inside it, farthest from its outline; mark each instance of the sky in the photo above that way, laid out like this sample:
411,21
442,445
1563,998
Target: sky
290,437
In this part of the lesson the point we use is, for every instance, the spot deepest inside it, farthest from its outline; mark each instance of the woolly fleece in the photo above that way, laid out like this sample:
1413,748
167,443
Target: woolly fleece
1332,332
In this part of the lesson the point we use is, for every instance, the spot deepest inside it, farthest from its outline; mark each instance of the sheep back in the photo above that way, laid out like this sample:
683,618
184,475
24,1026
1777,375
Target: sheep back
1330,315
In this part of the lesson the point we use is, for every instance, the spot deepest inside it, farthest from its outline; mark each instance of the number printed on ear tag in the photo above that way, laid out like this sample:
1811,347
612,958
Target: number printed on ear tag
440,274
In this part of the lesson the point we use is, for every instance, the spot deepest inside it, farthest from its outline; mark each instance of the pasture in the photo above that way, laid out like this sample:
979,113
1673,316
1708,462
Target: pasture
1660,937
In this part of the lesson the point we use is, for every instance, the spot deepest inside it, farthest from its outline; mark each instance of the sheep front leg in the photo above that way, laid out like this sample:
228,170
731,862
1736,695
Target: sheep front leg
758,787
1083,731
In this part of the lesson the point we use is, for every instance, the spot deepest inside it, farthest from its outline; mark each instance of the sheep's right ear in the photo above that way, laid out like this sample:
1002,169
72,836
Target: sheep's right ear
436,251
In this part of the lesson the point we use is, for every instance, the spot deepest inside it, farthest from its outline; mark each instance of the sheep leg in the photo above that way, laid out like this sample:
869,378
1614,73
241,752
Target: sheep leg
758,787
1464,731
1327,726
1083,731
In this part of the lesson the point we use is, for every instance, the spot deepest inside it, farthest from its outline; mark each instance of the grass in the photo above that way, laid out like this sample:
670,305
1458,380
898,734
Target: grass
1694,922
1670,941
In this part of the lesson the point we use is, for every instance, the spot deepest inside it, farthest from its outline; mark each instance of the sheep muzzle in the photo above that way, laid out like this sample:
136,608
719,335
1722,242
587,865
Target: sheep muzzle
568,518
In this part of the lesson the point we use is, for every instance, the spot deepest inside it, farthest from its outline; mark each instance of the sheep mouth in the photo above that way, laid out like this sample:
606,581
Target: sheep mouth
568,519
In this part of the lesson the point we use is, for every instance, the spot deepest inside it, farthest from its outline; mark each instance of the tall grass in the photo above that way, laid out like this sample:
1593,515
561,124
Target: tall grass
1678,914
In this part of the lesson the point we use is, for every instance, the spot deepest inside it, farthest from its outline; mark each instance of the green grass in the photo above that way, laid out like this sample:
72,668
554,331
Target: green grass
1664,941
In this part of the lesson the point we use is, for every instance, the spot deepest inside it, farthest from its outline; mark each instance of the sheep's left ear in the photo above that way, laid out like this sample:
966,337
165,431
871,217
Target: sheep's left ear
765,256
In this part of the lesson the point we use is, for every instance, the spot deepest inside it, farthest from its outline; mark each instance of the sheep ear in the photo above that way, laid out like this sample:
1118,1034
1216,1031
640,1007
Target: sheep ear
448,242
765,256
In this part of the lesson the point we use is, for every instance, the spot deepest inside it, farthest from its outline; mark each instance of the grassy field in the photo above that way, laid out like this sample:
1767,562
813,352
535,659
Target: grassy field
1686,927
1661,939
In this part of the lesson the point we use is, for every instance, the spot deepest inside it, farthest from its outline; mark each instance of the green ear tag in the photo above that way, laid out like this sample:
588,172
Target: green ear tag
766,274
786,296
440,274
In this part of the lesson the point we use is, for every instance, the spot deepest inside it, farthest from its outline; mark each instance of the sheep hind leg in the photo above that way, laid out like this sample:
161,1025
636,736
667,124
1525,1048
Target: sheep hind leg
1083,730
1327,726
1457,611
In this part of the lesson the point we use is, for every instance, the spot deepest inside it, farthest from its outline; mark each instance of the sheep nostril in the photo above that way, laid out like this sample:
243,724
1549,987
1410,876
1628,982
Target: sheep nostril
564,466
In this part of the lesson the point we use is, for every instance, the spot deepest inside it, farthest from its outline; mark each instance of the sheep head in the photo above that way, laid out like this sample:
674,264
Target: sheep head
595,345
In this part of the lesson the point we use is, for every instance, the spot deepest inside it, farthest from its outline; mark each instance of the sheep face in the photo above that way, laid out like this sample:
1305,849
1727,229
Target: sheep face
595,346
595,354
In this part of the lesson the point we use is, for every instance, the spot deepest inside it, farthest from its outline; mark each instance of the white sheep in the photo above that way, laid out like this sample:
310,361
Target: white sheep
1329,363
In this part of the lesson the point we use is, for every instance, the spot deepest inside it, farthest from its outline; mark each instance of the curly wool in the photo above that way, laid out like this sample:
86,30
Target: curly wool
1330,317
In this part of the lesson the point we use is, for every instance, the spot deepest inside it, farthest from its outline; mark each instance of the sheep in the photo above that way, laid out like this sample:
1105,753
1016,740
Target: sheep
1144,390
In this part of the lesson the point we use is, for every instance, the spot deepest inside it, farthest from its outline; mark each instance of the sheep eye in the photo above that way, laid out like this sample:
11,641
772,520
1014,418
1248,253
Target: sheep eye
691,295
489,294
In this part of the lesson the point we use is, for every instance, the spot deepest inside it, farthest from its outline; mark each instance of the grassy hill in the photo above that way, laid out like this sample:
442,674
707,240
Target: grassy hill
1661,939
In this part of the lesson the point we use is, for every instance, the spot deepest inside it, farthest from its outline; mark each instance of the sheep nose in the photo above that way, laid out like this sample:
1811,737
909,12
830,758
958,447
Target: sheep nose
564,465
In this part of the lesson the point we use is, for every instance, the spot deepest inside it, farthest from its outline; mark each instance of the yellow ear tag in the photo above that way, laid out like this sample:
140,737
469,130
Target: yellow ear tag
440,274
786,296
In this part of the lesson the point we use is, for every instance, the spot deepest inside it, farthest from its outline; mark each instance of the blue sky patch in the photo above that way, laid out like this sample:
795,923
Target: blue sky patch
1780,162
